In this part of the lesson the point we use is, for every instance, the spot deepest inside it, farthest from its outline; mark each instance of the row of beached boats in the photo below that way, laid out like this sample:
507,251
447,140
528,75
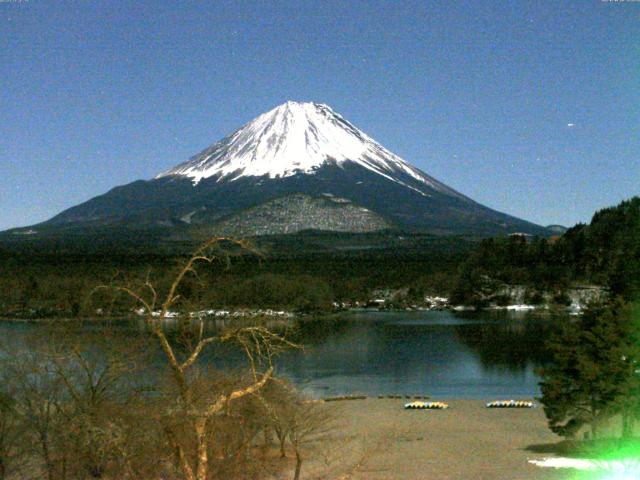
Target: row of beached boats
426,405
510,404
494,404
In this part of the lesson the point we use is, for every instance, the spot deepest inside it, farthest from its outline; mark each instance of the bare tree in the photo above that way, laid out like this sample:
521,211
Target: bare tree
310,423
278,400
71,397
197,411
37,396
10,452
96,373
301,421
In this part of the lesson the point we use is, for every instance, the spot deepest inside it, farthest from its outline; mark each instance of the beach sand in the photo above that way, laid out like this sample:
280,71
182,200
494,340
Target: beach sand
378,439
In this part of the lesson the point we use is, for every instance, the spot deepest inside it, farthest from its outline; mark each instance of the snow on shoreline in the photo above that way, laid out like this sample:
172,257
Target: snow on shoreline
222,313
243,313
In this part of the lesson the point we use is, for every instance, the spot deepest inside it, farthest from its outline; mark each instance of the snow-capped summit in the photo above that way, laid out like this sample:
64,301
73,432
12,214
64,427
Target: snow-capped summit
297,137
297,167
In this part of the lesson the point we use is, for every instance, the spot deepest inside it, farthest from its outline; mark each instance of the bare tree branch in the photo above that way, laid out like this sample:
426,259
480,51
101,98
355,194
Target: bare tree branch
225,399
196,352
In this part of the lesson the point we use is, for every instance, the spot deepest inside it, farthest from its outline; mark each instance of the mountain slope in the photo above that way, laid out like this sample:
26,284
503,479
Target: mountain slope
299,212
296,148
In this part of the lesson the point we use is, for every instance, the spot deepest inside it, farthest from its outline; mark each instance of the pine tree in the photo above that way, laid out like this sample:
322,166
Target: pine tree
591,375
629,401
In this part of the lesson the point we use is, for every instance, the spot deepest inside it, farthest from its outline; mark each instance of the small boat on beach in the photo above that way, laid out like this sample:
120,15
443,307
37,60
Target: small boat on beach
510,404
426,406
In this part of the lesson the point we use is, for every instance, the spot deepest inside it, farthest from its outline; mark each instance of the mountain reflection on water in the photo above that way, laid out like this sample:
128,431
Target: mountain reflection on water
416,353
441,354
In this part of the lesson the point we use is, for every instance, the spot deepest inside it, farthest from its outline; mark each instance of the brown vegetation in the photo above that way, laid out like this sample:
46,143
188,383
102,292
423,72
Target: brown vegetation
100,407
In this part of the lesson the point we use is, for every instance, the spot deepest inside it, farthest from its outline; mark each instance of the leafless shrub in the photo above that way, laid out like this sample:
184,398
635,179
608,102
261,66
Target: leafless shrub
299,422
72,394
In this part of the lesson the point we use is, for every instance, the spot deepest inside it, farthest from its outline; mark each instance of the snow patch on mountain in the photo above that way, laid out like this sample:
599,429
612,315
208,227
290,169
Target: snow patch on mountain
298,138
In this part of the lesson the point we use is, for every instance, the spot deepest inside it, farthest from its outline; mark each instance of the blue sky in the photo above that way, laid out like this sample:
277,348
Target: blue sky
532,108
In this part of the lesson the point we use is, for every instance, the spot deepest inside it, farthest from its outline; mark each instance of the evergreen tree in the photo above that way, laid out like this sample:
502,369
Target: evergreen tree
591,375
629,400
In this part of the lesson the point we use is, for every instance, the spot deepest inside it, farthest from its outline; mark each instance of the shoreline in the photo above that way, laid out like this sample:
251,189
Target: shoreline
272,314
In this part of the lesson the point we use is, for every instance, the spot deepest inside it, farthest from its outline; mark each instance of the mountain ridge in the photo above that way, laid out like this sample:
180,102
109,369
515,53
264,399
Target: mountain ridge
293,149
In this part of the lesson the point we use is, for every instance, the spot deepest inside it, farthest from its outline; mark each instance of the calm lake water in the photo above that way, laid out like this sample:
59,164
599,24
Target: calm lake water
441,354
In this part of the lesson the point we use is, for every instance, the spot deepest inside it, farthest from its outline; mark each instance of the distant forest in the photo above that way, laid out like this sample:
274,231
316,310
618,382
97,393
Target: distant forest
44,283
605,252
294,273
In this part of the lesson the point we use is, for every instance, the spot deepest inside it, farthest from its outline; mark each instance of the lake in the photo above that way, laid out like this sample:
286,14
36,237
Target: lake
443,354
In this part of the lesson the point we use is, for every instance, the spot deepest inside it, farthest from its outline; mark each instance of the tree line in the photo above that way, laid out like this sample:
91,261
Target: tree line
59,285
605,252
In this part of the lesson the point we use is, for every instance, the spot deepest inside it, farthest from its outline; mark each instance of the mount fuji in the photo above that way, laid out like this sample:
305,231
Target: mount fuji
299,166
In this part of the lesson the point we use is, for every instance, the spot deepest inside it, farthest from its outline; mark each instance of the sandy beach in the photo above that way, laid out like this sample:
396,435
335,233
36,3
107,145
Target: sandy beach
381,440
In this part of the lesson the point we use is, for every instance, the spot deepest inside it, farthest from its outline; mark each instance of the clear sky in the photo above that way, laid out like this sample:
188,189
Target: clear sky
532,108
